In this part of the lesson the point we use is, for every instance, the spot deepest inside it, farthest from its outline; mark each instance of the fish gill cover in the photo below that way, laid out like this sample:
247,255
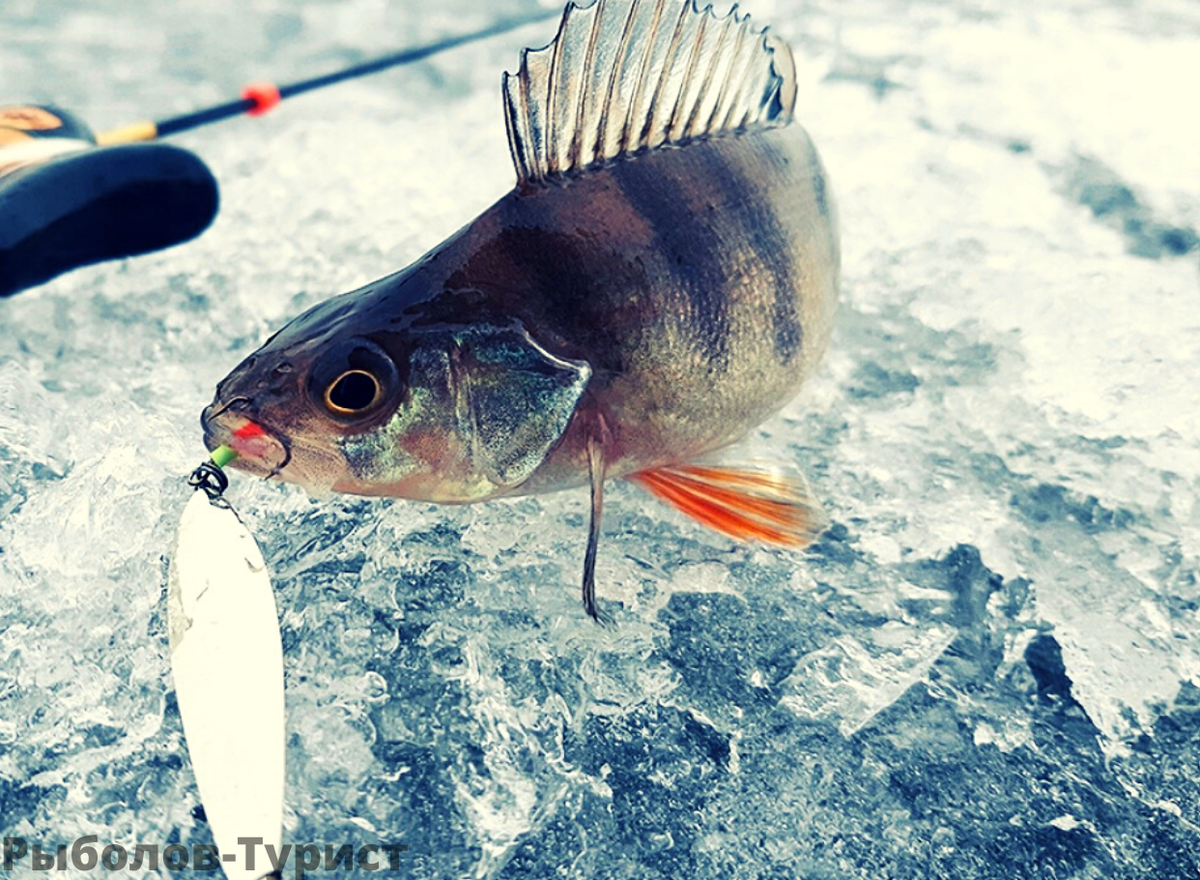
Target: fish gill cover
988,667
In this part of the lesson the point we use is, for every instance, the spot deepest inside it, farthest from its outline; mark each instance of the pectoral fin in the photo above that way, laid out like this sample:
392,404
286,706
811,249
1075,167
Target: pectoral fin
744,503
515,400
596,469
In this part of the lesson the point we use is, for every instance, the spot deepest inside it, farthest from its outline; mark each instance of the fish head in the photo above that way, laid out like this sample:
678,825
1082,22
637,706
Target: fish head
347,400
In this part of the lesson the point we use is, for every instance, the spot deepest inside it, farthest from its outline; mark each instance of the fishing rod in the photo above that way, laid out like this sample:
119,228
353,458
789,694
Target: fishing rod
260,98
70,197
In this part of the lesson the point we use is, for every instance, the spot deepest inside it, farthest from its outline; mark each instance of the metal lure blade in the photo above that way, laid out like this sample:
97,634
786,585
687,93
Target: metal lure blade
227,662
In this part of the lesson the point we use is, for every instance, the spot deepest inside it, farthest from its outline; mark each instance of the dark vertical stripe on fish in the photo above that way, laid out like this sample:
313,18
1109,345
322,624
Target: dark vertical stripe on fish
816,173
691,249
547,278
770,241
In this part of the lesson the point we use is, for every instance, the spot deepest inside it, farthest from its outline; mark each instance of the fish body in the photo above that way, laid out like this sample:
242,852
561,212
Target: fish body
641,298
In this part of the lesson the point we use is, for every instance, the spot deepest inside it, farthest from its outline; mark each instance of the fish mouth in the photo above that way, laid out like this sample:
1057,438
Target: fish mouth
261,451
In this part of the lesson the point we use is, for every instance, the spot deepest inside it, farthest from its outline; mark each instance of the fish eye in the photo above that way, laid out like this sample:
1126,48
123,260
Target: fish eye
352,380
352,392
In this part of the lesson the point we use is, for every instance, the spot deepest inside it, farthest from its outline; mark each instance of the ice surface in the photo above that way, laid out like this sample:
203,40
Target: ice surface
988,667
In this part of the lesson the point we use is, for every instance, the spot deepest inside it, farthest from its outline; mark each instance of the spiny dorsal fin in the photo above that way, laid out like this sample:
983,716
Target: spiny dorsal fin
630,75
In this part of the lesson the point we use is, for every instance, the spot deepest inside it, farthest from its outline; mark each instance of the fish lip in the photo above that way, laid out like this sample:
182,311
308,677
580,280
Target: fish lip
207,416
265,452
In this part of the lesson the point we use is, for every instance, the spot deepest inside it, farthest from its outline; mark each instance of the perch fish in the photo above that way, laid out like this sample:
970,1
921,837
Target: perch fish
662,278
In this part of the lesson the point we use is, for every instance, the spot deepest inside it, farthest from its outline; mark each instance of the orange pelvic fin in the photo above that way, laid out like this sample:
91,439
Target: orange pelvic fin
745,503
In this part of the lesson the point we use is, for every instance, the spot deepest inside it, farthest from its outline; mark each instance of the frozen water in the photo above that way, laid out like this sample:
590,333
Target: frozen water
988,667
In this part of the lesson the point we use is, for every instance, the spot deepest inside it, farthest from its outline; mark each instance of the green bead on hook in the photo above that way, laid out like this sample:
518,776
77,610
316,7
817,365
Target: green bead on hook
223,455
